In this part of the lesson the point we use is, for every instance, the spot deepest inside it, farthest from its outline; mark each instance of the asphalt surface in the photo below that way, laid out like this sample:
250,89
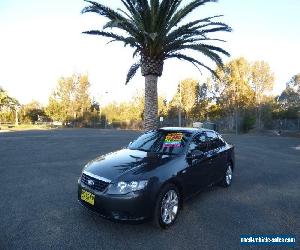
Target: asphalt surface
39,208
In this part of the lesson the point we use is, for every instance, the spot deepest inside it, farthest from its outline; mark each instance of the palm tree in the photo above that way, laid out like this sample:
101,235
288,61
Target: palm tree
152,28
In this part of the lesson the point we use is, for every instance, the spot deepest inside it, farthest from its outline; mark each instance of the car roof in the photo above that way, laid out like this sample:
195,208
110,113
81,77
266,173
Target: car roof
184,129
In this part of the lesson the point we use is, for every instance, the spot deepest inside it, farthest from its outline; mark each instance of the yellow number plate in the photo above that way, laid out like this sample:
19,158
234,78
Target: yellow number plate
88,197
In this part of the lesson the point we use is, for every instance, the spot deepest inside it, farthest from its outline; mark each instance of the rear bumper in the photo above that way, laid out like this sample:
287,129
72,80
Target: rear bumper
132,207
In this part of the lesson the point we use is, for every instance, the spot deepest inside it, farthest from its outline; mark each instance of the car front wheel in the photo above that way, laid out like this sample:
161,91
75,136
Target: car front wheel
167,206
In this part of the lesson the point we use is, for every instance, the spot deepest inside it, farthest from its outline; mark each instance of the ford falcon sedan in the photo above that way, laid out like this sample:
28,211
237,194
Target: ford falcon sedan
155,174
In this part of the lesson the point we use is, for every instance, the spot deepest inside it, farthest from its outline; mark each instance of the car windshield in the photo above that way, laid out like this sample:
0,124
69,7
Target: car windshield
161,141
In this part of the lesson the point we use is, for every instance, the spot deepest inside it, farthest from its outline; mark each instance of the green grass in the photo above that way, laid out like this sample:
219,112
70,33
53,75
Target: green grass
24,127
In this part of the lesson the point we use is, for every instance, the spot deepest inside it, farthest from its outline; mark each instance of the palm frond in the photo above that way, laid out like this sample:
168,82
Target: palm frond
152,28
186,58
173,7
143,9
101,10
166,10
192,28
222,28
190,25
211,47
193,61
136,52
126,14
154,8
211,39
182,13
130,6
198,47
126,40
111,24
207,52
132,71
123,22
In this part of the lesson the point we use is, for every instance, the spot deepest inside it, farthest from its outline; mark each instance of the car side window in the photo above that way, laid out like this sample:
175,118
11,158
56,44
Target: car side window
221,141
214,140
199,142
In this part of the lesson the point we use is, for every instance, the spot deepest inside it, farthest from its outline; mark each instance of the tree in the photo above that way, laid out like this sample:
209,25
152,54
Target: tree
6,100
132,110
3,97
152,28
189,94
232,90
243,88
31,112
71,99
60,107
294,84
82,99
203,108
127,111
186,96
8,107
262,81
54,109
162,106
289,99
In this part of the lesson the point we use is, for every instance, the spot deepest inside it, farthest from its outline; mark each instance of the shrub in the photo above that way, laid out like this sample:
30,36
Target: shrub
248,122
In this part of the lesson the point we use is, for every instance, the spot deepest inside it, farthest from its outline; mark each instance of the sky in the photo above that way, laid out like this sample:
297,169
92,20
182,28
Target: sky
41,40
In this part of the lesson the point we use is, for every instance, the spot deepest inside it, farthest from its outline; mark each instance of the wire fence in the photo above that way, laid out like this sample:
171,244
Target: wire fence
223,125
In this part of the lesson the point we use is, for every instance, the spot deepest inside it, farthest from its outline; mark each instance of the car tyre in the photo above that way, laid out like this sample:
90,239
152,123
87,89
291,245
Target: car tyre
167,206
227,179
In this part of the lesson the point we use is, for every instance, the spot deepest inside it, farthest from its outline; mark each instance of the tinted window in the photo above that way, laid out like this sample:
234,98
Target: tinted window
161,141
215,141
211,135
221,141
199,142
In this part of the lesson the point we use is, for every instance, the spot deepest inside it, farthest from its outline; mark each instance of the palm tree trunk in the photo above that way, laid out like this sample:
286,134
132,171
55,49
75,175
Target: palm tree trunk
151,104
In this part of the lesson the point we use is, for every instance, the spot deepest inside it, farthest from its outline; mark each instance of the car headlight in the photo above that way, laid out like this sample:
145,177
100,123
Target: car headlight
124,187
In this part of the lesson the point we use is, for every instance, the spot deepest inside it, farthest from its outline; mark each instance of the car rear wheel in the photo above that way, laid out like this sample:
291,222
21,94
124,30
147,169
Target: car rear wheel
227,179
167,206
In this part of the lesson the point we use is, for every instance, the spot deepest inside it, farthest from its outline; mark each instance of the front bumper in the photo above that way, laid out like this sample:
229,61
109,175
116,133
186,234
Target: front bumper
134,207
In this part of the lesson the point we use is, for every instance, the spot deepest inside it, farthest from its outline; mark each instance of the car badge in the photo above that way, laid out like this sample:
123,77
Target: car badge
90,183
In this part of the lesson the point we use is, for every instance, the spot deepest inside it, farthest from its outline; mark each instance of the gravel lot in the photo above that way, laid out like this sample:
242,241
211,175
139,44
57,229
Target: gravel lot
39,208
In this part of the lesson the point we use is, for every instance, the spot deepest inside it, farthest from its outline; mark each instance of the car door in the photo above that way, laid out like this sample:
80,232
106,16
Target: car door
216,155
223,161
199,170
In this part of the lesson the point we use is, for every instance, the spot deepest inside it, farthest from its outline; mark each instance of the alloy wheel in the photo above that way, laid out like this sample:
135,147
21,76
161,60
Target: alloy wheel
169,207
228,175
